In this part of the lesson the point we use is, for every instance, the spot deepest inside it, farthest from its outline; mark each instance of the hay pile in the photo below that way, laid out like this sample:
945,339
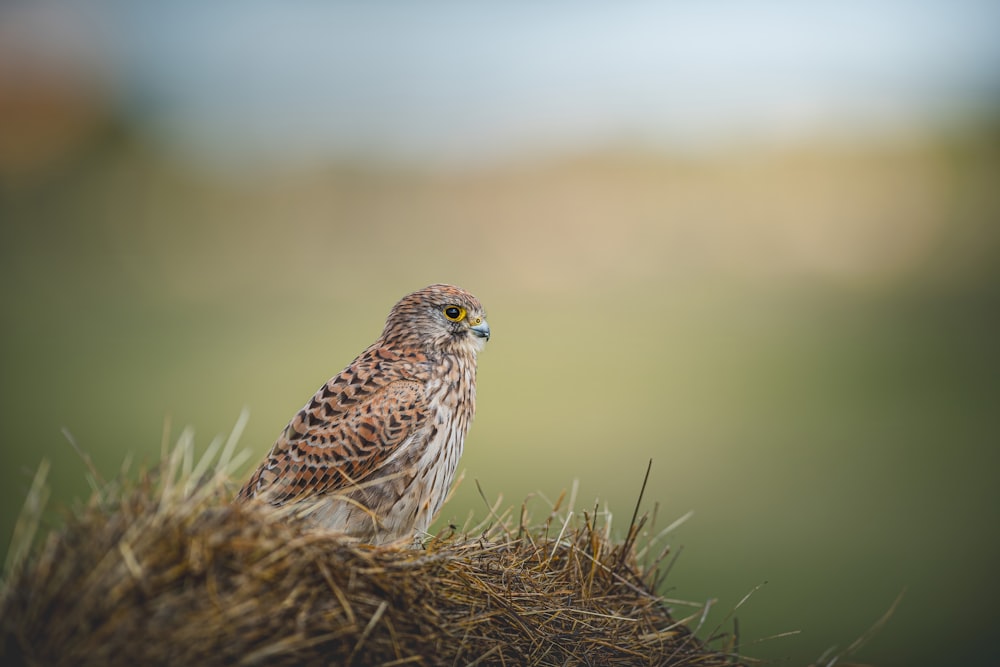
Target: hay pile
167,571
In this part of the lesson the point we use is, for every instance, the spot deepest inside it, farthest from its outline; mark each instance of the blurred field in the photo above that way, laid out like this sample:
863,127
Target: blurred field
804,340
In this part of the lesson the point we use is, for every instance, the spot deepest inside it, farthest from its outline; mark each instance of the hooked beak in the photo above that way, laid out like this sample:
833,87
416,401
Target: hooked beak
481,329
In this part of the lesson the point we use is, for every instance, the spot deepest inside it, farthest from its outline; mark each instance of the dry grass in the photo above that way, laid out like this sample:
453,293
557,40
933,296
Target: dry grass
167,571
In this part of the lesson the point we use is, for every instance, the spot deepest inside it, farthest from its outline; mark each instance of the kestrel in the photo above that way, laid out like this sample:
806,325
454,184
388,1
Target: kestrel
374,453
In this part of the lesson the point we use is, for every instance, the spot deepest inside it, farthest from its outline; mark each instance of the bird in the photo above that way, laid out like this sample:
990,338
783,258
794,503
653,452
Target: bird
374,452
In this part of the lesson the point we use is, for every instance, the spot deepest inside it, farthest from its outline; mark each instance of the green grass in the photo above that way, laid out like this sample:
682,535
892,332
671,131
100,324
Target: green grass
804,344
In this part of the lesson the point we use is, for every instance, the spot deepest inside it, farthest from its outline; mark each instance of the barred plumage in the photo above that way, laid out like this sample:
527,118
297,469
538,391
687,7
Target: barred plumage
374,453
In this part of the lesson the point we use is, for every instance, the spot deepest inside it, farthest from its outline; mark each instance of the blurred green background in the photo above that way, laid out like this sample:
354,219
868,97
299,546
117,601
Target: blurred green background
789,302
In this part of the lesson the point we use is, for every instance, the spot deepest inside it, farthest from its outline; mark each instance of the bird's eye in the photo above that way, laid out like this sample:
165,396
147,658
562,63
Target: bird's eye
454,313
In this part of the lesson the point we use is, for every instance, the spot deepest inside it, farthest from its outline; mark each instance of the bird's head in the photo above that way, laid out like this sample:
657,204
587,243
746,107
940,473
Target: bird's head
439,318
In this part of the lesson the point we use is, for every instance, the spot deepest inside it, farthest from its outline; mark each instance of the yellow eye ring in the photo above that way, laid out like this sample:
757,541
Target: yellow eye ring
454,313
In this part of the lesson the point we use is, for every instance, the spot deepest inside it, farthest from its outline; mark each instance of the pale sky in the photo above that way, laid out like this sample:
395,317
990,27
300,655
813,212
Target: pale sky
473,81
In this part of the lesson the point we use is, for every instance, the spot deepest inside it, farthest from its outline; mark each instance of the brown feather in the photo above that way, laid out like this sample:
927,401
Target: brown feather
375,450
